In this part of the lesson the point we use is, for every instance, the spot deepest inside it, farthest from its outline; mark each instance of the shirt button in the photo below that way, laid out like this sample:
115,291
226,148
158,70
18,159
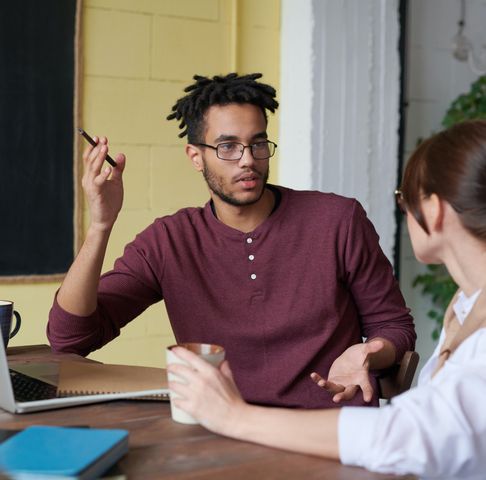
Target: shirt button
251,257
249,240
253,276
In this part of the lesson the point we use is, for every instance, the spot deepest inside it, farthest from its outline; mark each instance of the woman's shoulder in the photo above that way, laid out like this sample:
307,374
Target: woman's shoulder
470,354
474,345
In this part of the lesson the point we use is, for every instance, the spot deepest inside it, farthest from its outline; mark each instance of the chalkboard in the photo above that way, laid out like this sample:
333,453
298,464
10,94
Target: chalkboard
37,111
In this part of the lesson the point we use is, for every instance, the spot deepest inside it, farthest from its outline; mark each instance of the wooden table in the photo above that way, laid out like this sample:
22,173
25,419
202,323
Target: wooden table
161,448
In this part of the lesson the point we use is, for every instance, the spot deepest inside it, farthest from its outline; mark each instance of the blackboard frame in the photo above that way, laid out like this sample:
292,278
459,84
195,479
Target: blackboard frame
52,265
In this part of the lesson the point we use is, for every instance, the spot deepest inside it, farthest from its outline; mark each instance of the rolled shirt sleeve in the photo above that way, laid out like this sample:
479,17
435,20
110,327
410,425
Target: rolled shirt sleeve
436,430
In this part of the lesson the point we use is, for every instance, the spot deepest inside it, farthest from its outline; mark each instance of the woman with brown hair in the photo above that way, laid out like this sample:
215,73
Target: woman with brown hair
437,429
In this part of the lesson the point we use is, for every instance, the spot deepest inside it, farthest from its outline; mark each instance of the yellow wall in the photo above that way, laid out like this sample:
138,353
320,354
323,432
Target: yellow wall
138,57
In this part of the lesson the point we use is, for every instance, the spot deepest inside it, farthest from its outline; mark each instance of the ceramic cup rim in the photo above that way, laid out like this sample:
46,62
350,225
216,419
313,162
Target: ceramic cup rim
4,303
199,348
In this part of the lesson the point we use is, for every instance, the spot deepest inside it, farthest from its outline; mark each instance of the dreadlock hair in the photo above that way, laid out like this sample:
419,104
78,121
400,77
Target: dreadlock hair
219,90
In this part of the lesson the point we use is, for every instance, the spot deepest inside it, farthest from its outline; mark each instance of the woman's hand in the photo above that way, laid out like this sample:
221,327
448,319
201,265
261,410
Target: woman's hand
210,394
212,398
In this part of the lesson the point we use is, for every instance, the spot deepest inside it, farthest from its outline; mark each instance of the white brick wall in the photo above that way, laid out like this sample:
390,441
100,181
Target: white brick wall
435,78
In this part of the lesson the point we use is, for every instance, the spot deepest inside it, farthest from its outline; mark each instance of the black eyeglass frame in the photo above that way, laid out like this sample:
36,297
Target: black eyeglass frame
242,151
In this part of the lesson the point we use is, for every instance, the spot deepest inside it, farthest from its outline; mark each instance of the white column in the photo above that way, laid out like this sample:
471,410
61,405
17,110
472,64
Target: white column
295,133
340,92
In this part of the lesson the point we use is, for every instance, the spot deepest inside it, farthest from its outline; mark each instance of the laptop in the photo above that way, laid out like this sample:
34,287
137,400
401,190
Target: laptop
23,393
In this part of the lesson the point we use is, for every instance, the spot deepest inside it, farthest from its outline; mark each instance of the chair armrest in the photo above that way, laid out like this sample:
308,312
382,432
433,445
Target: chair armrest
398,378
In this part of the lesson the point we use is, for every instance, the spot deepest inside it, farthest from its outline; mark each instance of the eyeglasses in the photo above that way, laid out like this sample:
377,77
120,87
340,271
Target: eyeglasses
400,202
234,150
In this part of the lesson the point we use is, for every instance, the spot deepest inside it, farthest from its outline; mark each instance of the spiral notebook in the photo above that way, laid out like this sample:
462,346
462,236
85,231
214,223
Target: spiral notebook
21,392
90,378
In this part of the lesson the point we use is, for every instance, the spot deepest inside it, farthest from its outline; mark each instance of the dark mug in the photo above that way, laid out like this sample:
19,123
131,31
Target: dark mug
6,313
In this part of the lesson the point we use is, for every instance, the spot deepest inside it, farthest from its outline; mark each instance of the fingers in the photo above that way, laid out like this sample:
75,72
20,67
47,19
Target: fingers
331,387
226,371
185,379
327,385
180,384
350,391
184,392
367,392
340,392
120,160
347,394
101,178
94,156
115,172
91,153
182,371
88,150
197,363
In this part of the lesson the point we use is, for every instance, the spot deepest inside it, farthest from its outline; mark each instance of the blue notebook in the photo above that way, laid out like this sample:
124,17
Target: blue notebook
42,452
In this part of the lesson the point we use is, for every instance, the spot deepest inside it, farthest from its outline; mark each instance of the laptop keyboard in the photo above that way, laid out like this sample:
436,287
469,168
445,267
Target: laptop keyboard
27,389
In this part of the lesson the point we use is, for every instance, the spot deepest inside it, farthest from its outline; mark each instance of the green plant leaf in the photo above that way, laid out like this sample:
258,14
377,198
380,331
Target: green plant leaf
439,286
435,334
469,105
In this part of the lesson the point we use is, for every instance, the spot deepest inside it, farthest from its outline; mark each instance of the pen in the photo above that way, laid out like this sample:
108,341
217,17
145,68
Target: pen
93,143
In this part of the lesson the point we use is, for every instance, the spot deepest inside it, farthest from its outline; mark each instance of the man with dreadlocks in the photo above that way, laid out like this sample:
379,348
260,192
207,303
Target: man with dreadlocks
288,282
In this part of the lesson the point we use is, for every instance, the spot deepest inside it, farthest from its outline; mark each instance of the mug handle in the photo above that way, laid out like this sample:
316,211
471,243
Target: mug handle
17,324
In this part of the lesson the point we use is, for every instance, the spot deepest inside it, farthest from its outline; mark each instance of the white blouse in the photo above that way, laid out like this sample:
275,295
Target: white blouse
435,430
461,308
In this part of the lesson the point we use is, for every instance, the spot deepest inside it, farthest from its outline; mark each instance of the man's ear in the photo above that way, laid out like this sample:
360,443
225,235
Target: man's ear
195,156
434,210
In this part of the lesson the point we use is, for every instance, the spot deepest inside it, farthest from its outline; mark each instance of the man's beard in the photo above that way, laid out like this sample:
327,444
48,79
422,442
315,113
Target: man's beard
217,188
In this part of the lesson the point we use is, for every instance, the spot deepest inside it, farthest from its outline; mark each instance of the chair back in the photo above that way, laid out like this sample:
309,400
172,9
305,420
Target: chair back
398,378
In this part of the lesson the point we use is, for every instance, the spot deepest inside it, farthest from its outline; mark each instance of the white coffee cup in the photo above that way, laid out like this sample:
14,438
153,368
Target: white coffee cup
214,354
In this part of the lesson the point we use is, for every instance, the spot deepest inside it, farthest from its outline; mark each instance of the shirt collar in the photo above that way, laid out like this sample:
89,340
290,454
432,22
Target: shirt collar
464,305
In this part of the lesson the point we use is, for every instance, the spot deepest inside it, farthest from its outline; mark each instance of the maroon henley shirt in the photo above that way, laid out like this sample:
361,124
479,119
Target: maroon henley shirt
284,300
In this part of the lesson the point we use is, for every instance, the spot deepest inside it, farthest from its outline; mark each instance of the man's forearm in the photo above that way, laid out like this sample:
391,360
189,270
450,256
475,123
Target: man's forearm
78,292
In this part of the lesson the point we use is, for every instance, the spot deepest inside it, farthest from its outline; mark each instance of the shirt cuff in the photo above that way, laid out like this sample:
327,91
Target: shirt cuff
356,429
